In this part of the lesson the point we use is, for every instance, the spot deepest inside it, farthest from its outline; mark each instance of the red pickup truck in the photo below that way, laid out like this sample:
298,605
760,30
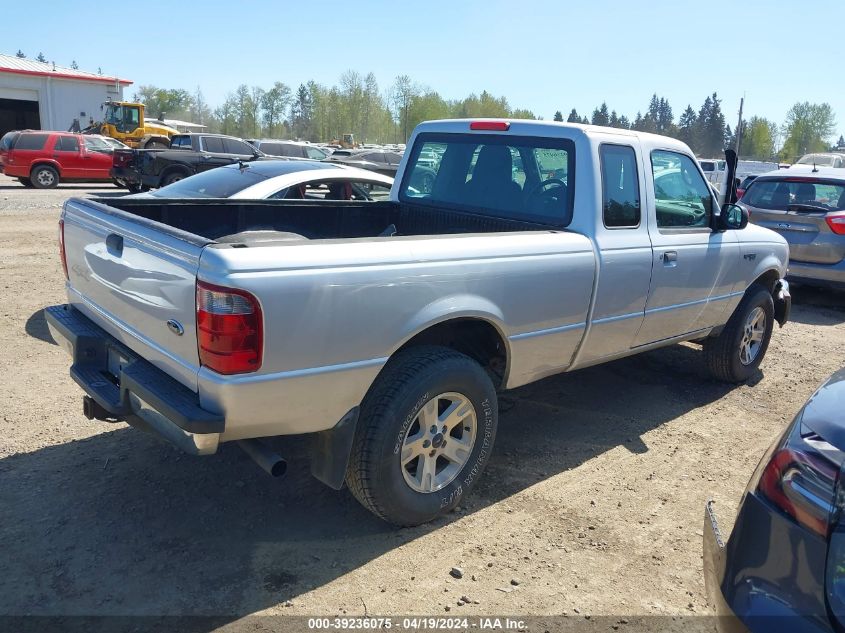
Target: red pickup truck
43,159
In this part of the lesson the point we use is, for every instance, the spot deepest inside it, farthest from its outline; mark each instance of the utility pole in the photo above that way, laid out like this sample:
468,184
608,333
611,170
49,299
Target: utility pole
739,129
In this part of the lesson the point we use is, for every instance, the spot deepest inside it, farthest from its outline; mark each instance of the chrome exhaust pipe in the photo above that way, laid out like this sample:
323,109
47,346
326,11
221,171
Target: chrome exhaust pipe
271,462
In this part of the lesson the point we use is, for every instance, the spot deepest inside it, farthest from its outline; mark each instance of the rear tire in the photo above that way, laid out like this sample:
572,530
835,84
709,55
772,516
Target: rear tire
44,177
737,352
420,391
26,182
174,176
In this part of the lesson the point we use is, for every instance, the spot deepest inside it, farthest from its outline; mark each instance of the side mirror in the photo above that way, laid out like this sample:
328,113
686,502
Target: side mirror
733,217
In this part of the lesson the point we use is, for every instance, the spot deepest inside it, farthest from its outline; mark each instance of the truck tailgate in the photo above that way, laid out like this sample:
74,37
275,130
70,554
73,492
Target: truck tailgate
136,279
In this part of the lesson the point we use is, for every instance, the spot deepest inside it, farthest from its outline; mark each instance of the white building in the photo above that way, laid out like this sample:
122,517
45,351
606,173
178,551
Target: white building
36,95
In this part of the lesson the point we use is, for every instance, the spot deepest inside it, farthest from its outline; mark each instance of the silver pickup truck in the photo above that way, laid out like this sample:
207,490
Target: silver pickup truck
385,329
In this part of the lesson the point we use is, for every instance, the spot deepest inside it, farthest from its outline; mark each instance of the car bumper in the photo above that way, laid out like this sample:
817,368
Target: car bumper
122,386
714,570
828,275
767,577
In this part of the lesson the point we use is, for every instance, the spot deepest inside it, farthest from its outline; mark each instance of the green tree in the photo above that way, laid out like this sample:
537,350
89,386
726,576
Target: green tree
20,54
758,139
174,103
807,129
710,128
74,65
573,117
401,94
687,127
601,116
274,104
301,114
522,113
41,58
558,116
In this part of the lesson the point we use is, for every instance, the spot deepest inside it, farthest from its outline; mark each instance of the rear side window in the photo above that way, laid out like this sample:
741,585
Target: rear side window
620,186
281,149
232,146
66,144
802,194
31,141
315,154
523,177
212,144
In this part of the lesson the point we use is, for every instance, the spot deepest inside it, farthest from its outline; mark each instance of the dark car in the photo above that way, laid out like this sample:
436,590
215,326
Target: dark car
289,149
384,162
783,567
189,154
743,186
387,163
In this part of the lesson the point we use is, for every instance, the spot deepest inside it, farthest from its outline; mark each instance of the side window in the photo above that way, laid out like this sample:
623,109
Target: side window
233,146
682,197
212,144
314,153
67,144
31,141
620,186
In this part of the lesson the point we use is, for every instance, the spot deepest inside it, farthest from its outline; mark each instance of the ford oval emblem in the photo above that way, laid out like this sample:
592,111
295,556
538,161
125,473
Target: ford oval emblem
174,326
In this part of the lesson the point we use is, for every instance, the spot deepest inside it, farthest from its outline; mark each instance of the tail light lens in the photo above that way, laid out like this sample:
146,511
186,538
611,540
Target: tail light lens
229,329
836,222
122,157
62,255
740,193
802,484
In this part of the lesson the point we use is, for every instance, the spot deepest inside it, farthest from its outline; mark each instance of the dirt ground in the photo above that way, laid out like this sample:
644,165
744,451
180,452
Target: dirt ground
593,502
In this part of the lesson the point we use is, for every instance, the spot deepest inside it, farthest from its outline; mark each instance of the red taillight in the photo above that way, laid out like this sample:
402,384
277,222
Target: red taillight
229,329
836,222
62,255
802,486
492,126
740,193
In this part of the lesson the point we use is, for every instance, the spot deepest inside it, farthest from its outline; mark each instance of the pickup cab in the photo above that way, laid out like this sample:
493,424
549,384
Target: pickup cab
385,330
189,154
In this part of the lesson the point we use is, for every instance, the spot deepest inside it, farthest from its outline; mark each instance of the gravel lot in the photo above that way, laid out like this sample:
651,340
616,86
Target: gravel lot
593,503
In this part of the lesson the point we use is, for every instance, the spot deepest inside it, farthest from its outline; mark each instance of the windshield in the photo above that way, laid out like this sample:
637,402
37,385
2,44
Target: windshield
214,183
780,193
527,178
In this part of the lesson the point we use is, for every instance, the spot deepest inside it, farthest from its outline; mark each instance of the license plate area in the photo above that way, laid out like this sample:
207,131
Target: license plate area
116,361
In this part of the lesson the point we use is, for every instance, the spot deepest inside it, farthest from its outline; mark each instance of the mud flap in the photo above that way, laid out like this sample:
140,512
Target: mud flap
330,450
783,301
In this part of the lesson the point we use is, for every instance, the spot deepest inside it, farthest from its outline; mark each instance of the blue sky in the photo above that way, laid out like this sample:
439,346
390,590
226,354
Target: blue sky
542,55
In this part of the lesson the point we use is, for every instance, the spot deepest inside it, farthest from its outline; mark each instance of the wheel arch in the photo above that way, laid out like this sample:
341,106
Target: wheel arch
43,162
480,336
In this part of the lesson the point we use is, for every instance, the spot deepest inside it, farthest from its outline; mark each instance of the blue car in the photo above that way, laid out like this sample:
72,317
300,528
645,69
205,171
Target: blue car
783,567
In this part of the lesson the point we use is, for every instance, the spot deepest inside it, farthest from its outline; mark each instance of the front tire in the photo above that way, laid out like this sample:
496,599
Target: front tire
44,177
737,352
425,434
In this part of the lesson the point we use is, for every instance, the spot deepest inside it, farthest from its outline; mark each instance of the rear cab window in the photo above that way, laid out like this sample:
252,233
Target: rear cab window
181,142
620,186
526,178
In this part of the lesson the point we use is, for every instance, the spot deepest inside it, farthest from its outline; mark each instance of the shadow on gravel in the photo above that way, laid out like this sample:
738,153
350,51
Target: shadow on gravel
36,327
817,306
121,524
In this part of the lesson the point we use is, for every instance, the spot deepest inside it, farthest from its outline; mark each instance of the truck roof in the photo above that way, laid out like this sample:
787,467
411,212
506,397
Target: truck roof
530,127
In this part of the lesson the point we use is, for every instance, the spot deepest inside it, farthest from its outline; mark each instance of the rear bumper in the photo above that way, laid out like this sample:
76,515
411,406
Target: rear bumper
126,387
126,174
714,570
828,275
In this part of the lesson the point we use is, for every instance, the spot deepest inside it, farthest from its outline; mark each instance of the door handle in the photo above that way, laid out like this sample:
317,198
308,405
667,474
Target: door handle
114,243
670,258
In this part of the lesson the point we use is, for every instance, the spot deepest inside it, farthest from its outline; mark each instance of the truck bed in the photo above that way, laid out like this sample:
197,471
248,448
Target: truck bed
216,219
